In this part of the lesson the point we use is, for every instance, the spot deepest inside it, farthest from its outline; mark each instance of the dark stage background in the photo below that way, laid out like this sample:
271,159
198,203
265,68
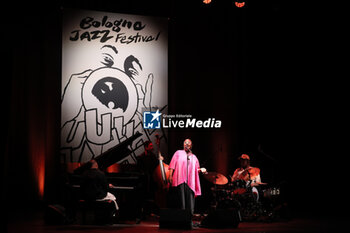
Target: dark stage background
269,71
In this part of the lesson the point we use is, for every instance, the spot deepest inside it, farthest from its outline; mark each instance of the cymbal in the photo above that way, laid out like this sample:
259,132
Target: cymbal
216,178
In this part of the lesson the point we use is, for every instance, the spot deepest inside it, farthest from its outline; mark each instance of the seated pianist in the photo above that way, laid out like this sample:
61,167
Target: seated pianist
94,185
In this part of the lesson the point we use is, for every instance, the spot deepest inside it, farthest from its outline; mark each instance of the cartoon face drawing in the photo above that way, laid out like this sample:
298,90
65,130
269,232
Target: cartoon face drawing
110,90
106,85
112,93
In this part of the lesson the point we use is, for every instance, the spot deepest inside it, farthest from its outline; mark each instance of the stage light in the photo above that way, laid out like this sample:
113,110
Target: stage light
239,4
206,1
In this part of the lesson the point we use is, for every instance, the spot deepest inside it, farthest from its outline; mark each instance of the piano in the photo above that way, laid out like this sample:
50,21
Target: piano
127,183
112,155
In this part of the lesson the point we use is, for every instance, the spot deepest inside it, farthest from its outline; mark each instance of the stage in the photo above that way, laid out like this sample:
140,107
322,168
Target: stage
296,225
33,221
100,80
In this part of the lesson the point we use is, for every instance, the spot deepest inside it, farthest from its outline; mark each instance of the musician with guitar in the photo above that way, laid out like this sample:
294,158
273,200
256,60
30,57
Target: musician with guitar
184,177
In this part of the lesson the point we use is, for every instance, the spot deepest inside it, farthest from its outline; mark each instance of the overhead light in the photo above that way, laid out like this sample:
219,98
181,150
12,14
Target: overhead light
239,4
206,1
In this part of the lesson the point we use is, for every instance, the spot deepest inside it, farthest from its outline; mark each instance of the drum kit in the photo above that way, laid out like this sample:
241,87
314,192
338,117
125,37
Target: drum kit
238,194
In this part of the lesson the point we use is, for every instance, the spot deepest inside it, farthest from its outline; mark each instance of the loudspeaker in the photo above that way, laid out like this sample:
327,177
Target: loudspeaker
175,218
222,218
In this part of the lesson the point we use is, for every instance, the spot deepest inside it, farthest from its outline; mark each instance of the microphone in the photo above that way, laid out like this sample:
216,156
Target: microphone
188,157
157,139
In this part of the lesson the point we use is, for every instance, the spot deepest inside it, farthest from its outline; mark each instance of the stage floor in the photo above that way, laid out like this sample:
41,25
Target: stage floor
35,223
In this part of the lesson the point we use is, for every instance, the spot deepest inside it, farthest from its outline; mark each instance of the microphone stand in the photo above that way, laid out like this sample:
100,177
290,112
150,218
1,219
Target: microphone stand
250,181
188,158
215,203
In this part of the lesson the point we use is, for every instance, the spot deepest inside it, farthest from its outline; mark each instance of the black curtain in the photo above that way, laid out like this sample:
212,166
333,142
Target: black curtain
33,96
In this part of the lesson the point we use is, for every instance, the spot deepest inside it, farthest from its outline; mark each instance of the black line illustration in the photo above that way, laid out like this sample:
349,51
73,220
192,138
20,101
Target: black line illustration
105,107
